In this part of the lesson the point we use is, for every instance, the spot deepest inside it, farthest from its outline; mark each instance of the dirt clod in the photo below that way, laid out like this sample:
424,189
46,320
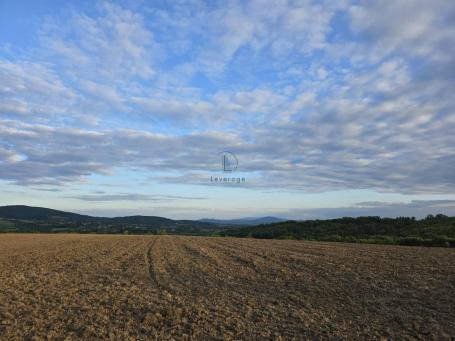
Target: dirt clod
89,287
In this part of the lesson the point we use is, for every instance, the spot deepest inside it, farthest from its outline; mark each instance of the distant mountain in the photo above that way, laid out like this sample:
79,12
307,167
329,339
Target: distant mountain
245,221
40,213
27,218
23,212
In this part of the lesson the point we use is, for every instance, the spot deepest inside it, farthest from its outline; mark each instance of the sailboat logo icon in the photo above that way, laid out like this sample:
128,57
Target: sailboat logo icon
229,162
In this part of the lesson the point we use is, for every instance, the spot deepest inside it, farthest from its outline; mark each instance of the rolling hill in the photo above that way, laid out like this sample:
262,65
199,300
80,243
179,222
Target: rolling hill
40,213
23,218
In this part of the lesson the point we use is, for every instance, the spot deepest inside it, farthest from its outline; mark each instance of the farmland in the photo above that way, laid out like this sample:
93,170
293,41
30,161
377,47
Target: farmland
70,286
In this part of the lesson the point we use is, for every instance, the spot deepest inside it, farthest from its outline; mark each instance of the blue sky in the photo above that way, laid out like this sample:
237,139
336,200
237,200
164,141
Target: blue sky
332,108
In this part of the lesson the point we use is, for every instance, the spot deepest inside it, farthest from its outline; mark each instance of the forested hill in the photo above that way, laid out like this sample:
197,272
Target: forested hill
30,212
436,230
21,218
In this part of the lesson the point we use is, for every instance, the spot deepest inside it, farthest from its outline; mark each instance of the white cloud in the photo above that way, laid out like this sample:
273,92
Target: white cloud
416,208
302,109
110,46
279,27
32,89
412,27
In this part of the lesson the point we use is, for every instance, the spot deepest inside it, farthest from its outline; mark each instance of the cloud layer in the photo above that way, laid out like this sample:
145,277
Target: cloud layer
309,96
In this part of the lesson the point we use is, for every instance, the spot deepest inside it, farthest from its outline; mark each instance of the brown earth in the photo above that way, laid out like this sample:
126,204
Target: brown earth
89,287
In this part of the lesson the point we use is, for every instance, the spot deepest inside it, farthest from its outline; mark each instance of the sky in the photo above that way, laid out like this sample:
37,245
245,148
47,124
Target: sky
331,108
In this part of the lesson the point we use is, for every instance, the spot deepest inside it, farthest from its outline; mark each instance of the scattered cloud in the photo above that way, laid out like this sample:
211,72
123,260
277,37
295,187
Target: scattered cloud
30,90
132,197
415,208
309,96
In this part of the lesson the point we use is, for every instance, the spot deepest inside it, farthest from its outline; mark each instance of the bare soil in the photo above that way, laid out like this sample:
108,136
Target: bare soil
91,287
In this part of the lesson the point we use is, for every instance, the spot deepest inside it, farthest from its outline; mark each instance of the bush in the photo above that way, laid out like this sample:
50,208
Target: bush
411,241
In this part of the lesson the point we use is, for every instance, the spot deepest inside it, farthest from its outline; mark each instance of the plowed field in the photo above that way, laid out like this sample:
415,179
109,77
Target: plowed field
89,287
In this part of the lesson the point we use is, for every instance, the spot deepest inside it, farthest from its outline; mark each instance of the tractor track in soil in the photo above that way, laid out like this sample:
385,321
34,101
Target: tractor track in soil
89,287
